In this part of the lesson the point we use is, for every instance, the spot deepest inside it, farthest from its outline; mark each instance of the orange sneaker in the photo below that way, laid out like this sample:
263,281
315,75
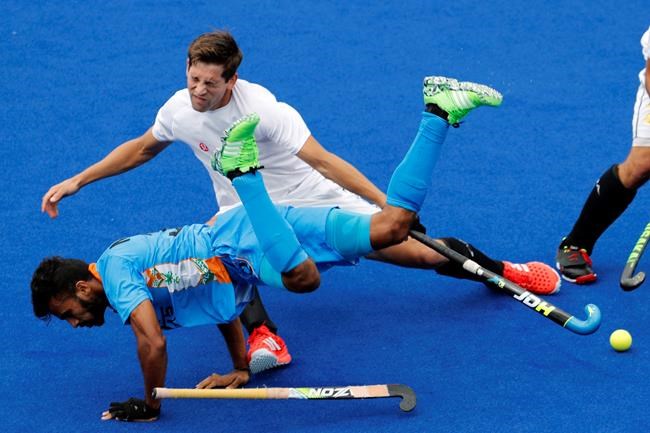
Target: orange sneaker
536,277
266,350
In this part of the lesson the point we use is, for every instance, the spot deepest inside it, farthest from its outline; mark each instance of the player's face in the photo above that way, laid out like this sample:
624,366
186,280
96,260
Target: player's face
208,90
79,312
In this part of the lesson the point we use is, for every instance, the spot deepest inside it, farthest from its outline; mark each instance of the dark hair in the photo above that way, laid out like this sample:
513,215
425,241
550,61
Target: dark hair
218,47
56,276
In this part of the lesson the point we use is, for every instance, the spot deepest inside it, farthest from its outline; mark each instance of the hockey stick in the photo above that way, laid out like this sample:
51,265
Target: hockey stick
629,282
546,309
324,393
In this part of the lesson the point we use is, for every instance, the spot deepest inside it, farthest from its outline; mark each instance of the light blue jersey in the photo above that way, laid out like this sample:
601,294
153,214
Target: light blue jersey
178,272
197,275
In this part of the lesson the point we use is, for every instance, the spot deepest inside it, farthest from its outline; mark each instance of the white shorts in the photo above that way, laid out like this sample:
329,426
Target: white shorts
345,200
641,119
322,192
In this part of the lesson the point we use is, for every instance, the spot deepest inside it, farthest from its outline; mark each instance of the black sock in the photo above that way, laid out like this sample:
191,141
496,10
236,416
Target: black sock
606,202
453,269
434,109
255,315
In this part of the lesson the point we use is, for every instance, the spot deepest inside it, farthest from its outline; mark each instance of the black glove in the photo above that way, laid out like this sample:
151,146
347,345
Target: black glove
417,225
133,409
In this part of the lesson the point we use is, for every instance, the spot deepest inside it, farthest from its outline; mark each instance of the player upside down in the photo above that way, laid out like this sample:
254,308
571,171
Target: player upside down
197,274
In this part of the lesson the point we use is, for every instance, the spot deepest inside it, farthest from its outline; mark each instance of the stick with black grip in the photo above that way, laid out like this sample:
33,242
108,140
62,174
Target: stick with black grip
546,309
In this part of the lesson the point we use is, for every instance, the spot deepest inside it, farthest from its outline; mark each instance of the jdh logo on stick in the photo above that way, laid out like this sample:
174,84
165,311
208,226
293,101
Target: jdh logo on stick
535,303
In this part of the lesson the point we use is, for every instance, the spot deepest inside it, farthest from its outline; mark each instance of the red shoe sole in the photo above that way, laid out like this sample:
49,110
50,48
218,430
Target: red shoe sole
586,279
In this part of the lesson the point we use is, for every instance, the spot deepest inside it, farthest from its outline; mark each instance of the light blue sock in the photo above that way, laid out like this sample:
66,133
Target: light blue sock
412,178
276,237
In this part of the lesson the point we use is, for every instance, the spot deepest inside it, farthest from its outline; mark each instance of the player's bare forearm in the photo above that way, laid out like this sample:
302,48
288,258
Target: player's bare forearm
346,175
153,361
152,349
234,337
125,157
340,171
119,160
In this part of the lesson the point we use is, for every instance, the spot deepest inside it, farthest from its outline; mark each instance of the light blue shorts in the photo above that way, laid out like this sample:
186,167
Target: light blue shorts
234,240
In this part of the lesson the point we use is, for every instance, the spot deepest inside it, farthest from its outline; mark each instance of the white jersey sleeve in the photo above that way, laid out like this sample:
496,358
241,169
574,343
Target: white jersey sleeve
163,127
284,126
281,126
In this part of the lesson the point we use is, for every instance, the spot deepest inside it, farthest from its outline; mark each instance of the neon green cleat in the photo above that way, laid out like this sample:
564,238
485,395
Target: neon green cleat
458,98
239,153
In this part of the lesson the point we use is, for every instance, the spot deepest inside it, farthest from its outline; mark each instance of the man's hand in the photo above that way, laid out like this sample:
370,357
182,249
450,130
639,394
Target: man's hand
234,379
52,197
133,409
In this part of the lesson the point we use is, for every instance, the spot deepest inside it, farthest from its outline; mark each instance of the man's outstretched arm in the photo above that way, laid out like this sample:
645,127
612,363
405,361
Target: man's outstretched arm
152,352
126,156
234,338
340,171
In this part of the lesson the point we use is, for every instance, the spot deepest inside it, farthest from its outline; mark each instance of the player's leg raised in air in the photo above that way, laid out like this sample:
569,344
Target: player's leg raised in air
448,101
451,100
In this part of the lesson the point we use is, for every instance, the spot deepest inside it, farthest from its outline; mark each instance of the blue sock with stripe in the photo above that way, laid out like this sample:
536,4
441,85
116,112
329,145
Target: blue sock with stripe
276,237
412,178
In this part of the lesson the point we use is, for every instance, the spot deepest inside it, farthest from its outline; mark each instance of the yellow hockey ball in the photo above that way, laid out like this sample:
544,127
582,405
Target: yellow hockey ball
621,340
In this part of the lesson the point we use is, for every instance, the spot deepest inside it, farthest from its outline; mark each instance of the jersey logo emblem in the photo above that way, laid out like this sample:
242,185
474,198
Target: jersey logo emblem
203,147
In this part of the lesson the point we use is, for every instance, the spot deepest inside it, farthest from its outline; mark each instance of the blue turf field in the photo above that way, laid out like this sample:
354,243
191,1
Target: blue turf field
79,78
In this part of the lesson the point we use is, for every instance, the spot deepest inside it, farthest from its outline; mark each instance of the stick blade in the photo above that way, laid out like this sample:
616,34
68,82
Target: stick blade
587,326
629,284
406,393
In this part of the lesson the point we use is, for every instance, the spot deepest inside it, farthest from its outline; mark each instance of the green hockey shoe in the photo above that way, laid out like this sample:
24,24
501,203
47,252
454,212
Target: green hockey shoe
239,153
458,98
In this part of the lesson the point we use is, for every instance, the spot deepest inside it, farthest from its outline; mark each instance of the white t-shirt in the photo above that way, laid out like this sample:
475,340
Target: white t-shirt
280,135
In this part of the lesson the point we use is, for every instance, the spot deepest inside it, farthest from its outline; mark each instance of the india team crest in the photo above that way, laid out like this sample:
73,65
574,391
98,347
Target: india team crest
187,273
